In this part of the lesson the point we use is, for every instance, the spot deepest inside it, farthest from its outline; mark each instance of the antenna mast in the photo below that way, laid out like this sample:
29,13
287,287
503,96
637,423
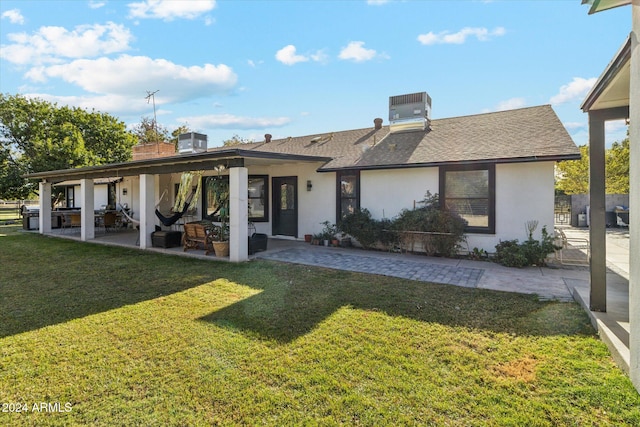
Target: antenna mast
151,96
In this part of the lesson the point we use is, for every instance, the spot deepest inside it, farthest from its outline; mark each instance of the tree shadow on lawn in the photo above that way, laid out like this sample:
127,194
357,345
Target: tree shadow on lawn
64,280
46,281
290,308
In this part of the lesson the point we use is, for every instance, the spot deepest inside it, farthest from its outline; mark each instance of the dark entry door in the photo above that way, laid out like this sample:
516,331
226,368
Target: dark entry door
285,205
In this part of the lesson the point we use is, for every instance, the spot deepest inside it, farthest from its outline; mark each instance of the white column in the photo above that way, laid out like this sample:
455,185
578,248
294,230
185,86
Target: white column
45,207
147,209
634,198
87,221
239,218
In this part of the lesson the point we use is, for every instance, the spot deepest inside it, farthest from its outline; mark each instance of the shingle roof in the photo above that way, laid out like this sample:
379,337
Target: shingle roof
526,134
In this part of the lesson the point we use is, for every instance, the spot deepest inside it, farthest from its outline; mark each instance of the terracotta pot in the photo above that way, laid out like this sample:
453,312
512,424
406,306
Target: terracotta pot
221,248
307,238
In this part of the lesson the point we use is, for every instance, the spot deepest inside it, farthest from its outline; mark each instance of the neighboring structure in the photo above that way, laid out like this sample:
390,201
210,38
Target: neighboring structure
616,95
496,170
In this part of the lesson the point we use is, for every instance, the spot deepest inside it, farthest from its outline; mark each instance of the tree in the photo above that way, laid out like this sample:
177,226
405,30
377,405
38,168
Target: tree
617,158
573,175
37,136
150,132
235,140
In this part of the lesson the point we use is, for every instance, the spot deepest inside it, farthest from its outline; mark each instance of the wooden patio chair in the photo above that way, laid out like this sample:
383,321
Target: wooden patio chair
196,235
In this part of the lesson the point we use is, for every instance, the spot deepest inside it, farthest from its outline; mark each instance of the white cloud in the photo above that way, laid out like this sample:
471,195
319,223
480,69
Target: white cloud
574,125
320,56
14,16
111,103
445,37
230,121
129,75
168,10
511,104
287,55
52,44
377,2
576,90
355,51
95,4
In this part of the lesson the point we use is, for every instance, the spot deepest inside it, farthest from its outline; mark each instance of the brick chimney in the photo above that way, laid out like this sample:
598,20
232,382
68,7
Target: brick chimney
377,124
267,138
153,151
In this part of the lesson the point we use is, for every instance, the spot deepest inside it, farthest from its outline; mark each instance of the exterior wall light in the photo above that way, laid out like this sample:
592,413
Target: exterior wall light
309,185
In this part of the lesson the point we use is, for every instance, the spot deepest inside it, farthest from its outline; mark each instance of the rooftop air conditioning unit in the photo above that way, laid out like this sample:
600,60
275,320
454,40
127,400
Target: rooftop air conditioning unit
192,143
409,112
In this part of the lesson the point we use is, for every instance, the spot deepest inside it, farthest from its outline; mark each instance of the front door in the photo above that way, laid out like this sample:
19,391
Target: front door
285,206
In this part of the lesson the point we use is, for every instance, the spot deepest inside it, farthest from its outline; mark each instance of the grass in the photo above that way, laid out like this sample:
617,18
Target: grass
132,338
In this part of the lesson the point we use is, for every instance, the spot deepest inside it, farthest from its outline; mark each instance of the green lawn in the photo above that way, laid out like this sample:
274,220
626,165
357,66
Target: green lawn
109,336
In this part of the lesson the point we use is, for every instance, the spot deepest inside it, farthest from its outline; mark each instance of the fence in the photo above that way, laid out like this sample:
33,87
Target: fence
10,210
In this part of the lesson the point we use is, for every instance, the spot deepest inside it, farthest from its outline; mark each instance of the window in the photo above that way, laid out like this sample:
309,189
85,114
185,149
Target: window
209,206
470,192
258,196
348,192
71,203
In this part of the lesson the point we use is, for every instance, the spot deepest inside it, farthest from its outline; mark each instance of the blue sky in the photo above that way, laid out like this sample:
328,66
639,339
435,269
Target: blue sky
293,68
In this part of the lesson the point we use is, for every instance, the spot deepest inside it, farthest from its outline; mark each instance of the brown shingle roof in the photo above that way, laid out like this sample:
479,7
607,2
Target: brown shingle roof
526,134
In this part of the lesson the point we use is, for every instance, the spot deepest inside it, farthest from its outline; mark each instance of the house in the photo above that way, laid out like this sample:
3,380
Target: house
495,169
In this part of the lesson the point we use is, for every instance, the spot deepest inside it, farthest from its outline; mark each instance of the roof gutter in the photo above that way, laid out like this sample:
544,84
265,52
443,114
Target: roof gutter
531,159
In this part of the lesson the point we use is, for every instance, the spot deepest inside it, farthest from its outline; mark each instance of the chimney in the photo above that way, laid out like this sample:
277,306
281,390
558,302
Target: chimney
377,124
267,138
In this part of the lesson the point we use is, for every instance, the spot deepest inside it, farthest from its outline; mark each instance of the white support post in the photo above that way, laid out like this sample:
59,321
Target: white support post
45,208
634,198
147,209
239,219
87,217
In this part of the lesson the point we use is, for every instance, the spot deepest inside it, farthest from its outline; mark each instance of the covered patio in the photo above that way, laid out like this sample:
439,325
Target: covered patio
235,162
616,95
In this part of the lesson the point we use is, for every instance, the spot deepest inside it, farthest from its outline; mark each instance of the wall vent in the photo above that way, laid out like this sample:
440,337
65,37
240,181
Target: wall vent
192,143
409,112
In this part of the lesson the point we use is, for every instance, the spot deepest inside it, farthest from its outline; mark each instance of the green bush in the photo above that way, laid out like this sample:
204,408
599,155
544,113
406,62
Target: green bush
431,217
531,252
365,229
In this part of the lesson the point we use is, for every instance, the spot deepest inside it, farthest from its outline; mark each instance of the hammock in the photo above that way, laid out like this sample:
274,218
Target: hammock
168,221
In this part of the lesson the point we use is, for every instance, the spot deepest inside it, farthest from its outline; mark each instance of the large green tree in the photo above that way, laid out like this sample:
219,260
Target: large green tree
572,176
37,136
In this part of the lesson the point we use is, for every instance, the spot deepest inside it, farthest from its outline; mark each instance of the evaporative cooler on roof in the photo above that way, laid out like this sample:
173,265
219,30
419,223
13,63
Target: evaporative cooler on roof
192,143
409,112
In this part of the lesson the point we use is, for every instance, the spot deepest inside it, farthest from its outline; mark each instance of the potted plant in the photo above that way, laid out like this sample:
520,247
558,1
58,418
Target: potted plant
329,233
219,191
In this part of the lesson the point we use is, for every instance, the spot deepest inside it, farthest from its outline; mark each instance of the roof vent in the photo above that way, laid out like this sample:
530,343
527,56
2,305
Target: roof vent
192,143
409,112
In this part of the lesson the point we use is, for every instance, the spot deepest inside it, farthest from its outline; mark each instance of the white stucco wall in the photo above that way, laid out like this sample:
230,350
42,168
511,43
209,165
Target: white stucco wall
524,192
314,206
386,192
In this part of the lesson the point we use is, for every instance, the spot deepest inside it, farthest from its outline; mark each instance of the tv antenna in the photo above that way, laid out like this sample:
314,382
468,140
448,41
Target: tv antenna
151,96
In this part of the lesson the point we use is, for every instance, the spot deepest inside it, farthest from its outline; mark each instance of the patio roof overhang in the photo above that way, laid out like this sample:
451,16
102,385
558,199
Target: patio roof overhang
233,157
612,87
600,5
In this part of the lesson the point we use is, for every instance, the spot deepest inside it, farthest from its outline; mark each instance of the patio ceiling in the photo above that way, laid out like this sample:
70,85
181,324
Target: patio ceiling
612,88
600,5
176,164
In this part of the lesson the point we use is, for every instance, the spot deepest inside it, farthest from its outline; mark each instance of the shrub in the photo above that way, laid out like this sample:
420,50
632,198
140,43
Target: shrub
362,227
430,217
531,252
